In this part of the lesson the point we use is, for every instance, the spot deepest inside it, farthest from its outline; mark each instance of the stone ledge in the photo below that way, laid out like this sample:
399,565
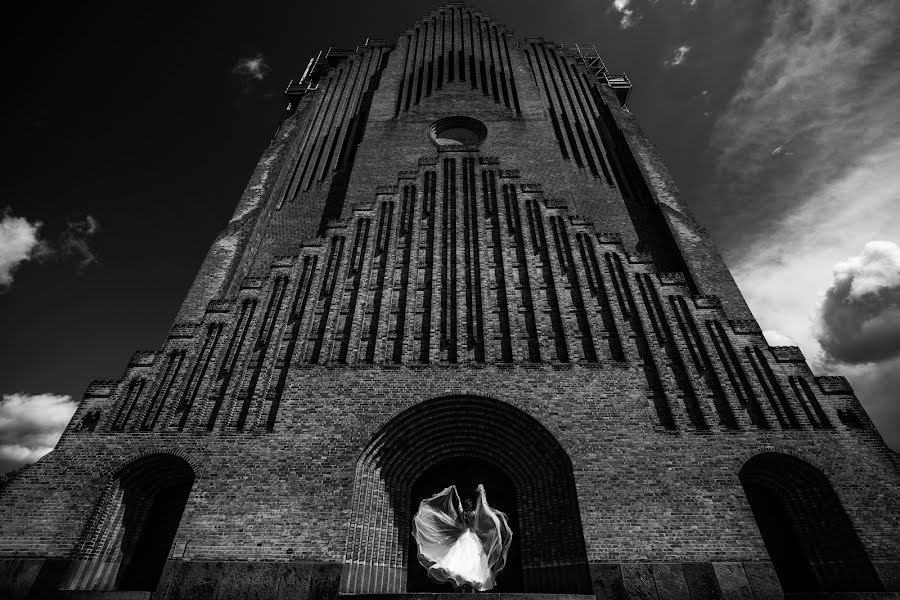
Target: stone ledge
101,388
709,302
455,596
834,384
101,595
252,283
671,278
745,326
787,354
844,596
143,358
640,258
609,238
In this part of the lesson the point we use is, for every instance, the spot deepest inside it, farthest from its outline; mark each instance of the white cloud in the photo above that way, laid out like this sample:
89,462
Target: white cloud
251,68
803,214
75,240
858,320
30,426
679,56
775,338
824,83
19,241
875,270
627,17
784,274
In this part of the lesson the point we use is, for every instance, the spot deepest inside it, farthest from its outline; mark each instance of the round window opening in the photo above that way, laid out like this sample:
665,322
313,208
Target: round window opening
458,131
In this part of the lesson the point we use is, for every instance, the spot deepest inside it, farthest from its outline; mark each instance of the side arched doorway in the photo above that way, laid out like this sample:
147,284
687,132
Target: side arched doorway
461,439
807,533
127,541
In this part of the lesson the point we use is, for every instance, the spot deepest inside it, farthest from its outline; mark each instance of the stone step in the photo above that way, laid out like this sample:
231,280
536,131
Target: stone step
101,595
844,596
460,596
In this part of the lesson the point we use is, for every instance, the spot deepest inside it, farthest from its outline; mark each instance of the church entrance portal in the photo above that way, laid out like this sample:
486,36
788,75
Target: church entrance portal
457,440
130,536
808,534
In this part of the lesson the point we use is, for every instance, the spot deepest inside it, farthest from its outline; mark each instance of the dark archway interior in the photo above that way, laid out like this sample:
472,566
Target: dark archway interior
466,474
784,545
807,533
504,446
156,490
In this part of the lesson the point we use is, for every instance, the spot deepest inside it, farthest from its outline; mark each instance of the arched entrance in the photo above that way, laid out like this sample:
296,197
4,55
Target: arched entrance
128,540
807,533
466,438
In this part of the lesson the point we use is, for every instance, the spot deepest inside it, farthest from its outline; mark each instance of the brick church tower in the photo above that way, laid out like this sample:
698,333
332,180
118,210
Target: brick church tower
460,261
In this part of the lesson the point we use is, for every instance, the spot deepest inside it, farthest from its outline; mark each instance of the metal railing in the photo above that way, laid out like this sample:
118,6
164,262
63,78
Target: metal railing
588,56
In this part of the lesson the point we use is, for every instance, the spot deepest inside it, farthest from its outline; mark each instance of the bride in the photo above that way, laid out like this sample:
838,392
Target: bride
465,547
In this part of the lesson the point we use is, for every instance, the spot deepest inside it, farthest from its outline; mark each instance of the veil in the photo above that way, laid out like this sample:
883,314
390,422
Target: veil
441,521
437,525
492,527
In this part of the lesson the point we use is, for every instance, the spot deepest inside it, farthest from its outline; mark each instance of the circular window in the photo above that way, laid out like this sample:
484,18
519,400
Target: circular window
457,131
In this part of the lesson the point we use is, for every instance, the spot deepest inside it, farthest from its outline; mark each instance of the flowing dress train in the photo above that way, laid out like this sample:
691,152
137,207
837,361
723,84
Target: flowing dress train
461,547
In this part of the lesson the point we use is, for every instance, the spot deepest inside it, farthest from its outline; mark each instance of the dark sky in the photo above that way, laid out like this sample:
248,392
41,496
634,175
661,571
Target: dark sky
130,113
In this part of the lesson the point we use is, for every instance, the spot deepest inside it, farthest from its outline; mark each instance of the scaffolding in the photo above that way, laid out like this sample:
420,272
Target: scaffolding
317,67
588,56
309,81
621,87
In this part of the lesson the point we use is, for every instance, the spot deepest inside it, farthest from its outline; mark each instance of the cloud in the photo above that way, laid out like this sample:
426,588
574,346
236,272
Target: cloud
785,272
75,240
30,426
774,338
823,84
859,318
19,241
878,387
627,17
251,69
788,221
678,57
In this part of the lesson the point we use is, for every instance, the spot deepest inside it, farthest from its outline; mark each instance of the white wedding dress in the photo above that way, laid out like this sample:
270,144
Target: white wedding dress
460,547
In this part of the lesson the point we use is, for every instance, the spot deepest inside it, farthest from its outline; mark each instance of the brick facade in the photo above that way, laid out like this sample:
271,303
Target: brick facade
541,301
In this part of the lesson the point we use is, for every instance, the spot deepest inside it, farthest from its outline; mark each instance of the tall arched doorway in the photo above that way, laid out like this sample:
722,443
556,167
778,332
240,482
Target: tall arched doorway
464,438
127,541
807,533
